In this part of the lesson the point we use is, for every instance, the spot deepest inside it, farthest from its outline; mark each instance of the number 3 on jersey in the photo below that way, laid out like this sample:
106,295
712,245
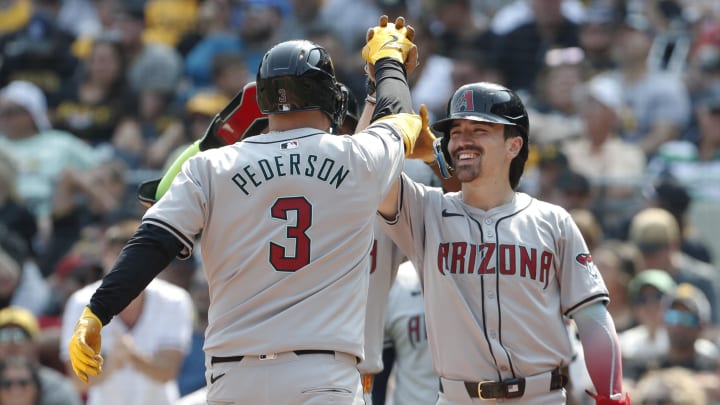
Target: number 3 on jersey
303,211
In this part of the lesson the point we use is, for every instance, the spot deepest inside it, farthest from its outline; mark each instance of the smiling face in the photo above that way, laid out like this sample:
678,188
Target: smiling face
480,150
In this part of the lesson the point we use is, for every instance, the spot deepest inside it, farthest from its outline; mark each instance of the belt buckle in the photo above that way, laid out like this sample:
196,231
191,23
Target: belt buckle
269,356
514,387
479,390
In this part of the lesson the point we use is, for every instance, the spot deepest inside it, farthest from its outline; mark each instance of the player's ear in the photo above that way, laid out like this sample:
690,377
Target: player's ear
514,146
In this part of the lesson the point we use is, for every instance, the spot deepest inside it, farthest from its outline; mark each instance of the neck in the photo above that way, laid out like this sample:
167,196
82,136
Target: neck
300,119
487,194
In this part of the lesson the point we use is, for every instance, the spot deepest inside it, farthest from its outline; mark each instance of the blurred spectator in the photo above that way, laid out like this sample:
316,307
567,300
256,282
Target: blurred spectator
96,20
453,27
695,165
599,154
216,36
469,66
72,272
687,317
540,179
670,386
22,283
148,64
230,74
431,82
145,345
199,112
40,153
553,110
19,382
305,16
19,331
519,53
597,33
512,14
657,235
406,348
573,191
350,19
657,102
14,214
81,199
589,227
157,117
180,273
609,260
668,194
192,372
648,340
97,106
34,48
167,20
261,27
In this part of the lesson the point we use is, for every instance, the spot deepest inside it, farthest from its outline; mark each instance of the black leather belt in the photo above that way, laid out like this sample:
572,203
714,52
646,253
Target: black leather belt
230,359
509,388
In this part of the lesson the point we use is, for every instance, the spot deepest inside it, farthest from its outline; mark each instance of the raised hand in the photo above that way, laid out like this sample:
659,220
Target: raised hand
388,40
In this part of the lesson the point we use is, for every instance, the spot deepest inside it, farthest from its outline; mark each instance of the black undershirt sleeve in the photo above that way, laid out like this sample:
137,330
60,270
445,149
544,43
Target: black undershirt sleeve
392,90
144,256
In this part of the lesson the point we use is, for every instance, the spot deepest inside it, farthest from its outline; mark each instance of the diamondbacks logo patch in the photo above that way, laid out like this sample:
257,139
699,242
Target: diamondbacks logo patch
586,261
465,102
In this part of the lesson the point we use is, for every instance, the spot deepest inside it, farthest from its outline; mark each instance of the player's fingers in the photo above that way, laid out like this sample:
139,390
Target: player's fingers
410,33
399,22
80,374
383,20
370,34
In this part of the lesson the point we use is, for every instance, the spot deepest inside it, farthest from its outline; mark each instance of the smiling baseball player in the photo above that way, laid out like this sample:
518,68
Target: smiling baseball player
500,269
277,241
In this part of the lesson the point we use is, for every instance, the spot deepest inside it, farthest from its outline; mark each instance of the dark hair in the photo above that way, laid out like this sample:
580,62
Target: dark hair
517,166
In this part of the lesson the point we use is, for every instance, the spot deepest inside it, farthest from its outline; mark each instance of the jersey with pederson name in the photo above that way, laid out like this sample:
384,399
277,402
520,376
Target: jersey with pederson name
286,224
497,283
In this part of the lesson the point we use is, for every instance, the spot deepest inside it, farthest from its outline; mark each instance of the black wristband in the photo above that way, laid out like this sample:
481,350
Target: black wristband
370,87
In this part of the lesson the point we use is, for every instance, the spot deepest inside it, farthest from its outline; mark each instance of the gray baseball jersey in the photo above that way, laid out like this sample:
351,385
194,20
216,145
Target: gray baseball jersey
416,382
496,282
385,258
286,223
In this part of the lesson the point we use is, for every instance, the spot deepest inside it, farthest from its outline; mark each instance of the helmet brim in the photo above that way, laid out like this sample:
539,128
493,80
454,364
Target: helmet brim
444,124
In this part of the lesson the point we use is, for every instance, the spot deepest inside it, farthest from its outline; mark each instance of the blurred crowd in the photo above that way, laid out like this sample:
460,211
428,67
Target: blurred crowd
99,95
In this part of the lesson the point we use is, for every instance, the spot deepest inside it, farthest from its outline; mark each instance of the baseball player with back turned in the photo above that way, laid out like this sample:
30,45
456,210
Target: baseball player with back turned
500,269
285,222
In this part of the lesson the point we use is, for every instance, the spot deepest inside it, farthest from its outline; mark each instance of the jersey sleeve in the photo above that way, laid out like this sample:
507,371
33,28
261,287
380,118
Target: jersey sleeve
406,230
380,147
183,208
580,279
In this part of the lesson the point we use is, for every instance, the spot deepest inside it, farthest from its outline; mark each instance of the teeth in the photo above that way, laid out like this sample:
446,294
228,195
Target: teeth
466,156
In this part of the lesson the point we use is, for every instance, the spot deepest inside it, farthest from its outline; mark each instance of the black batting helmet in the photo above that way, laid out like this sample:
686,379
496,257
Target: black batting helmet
298,75
484,102
353,107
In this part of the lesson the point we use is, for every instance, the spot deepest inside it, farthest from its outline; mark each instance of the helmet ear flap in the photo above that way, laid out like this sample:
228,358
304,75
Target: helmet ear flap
442,155
341,106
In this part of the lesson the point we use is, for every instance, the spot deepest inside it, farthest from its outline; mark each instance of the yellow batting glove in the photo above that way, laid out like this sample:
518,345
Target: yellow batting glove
424,144
85,346
389,40
409,126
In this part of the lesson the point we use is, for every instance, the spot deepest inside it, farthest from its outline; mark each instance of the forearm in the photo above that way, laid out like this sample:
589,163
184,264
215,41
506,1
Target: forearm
601,348
393,93
162,367
145,255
